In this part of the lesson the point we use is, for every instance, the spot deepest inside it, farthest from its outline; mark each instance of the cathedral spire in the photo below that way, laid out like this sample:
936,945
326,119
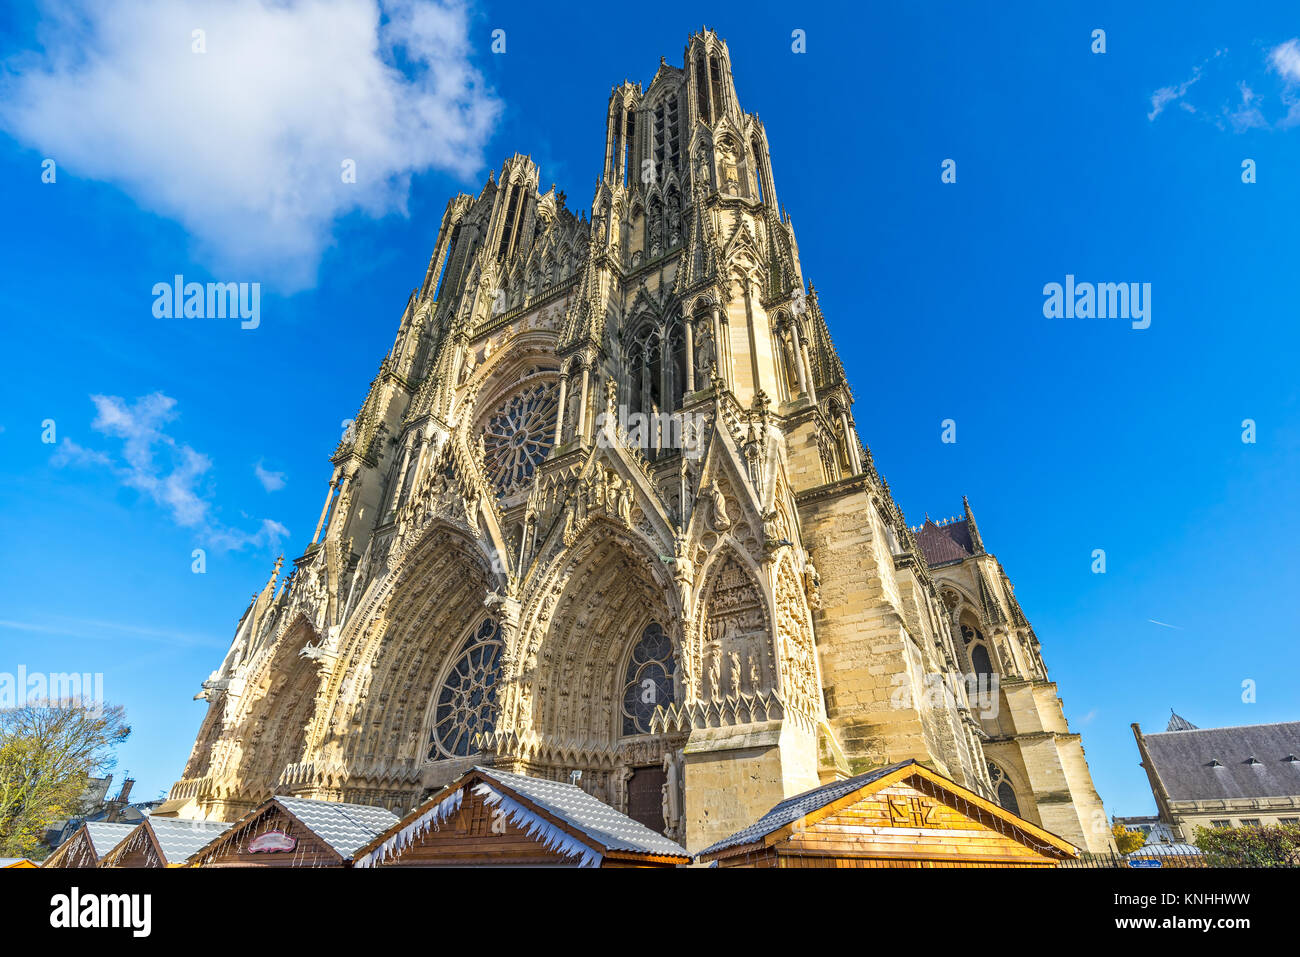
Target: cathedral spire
977,543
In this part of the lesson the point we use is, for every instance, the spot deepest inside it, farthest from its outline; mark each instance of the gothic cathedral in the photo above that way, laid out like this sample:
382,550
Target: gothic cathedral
604,516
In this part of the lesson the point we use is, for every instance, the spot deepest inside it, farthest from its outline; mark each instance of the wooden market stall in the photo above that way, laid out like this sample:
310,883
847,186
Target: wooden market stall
494,818
162,842
296,832
88,844
902,815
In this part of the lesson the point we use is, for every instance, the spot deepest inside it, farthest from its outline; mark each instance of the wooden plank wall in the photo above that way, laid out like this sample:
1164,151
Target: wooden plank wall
901,826
77,852
475,834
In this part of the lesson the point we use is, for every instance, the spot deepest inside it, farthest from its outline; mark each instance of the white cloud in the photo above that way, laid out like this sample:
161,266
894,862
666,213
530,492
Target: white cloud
1285,59
1169,94
169,472
271,481
1269,95
243,144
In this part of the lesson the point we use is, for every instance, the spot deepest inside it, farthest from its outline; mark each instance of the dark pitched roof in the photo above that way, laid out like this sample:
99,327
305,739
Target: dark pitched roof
944,543
1178,723
344,827
799,806
1212,764
609,828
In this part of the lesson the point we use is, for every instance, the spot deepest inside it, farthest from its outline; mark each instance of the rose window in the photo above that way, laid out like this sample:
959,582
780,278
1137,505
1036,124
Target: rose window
519,435
467,703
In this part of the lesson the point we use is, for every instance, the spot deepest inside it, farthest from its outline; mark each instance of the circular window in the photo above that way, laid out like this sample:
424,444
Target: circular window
467,703
518,435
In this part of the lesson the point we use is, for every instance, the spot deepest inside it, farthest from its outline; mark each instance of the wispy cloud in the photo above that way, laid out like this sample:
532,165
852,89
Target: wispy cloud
169,472
271,481
240,134
1172,94
1164,625
1240,94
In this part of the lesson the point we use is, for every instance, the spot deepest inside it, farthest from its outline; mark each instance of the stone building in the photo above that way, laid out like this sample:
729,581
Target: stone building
604,514
1222,777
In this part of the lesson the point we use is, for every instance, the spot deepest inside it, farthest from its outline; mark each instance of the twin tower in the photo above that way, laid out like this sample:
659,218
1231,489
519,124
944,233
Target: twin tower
693,618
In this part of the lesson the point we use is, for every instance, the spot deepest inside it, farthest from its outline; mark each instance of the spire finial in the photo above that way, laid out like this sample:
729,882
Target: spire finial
977,543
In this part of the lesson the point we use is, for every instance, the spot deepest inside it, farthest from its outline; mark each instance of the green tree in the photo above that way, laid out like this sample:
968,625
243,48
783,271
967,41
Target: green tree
1125,840
1263,845
49,750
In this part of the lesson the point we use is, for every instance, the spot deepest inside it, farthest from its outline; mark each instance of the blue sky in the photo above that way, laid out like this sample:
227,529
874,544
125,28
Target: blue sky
1072,435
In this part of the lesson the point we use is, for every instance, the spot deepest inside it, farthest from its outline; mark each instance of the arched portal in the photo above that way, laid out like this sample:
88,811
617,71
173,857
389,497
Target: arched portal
386,696
609,598
278,705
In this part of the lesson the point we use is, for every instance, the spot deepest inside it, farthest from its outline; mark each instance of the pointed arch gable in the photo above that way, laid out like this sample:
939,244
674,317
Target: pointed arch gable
732,650
722,458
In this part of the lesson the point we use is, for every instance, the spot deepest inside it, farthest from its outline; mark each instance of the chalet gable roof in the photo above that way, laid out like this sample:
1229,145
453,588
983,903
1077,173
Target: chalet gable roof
560,815
178,838
105,836
811,806
344,828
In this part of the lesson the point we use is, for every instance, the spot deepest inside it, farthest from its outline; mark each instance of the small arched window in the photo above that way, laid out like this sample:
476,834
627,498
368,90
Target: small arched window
467,701
1003,789
648,681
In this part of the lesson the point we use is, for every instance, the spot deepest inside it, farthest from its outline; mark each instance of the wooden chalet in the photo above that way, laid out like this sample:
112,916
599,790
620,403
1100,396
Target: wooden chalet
18,863
495,818
296,832
88,844
903,815
162,842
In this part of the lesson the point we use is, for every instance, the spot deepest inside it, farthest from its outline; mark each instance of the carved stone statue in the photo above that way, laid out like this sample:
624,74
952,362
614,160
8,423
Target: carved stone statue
683,572
706,356
672,795
718,517
812,584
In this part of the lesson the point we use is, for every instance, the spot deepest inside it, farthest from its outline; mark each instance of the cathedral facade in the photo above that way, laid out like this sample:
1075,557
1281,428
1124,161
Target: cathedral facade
605,517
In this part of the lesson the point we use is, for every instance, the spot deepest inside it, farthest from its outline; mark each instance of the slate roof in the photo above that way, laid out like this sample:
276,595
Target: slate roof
180,838
1183,761
944,543
105,836
609,828
345,827
801,805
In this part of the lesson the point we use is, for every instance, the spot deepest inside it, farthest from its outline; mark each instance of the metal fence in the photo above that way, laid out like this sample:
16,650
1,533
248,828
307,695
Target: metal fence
1157,855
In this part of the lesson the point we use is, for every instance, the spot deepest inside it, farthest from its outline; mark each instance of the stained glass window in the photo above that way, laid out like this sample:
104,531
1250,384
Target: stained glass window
518,436
1005,792
649,679
467,703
